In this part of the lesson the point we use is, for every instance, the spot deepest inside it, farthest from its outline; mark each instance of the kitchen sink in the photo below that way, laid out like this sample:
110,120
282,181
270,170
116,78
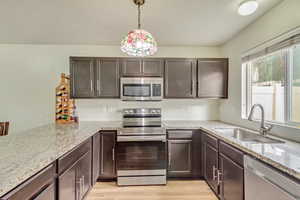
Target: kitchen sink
247,136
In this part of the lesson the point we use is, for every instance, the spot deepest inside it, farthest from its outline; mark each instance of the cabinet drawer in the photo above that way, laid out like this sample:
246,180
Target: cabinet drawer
67,160
211,140
34,186
180,134
232,153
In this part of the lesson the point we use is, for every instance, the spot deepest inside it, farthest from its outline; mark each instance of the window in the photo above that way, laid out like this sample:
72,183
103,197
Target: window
273,80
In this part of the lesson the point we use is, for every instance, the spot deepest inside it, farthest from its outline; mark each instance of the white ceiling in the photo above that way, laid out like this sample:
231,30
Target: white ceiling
172,22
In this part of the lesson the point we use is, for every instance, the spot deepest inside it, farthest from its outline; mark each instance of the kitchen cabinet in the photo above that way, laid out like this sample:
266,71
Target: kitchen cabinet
136,67
75,182
180,158
82,77
96,158
213,78
107,78
75,172
95,77
211,166
39,187
223,169
180,78
107,155
184,154
232,179
231,172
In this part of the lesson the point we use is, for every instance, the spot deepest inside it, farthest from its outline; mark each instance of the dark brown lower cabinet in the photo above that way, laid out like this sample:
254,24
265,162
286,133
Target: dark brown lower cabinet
75,182
224,171
96,158
107,155
232,179
180,158
39,187
211,166
184,154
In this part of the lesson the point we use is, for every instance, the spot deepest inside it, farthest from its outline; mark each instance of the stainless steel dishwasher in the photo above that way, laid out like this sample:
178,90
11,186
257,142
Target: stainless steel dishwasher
265,183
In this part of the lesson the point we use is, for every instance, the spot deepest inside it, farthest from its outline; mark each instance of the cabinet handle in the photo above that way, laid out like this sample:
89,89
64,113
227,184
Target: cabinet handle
102,159
83,185
219,177
92,85
113,154
78,191
98,86
214,173
169,160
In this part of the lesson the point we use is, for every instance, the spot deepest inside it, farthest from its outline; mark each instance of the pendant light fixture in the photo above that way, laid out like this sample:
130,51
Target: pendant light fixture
139,42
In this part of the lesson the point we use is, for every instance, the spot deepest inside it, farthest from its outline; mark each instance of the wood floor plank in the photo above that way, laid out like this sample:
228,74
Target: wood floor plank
174,190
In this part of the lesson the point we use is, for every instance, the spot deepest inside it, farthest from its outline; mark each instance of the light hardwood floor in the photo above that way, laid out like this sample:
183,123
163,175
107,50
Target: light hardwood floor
175,190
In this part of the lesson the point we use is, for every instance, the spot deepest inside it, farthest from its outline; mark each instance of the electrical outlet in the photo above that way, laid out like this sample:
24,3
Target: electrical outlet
4,128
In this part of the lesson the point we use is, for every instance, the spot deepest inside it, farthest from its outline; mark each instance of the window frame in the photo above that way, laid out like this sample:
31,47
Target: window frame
288,79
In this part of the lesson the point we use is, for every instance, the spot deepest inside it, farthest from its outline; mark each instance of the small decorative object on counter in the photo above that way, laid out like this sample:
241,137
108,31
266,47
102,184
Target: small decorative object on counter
4,128
65,107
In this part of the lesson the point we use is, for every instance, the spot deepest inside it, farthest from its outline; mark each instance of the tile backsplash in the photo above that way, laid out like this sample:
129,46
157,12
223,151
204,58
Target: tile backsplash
172,109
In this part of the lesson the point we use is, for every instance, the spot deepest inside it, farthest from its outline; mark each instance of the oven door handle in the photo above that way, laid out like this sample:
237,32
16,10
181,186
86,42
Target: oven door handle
141,139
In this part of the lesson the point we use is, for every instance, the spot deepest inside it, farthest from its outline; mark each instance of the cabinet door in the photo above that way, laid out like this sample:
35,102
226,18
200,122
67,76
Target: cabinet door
107,156
212,78
232,179
180,158
47,194
211,167
84,174
96,158
132,67
197,155
152,67
107,78
67,185
180,78
82,77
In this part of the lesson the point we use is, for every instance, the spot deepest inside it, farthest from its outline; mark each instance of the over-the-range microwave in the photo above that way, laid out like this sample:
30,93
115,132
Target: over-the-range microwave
141,88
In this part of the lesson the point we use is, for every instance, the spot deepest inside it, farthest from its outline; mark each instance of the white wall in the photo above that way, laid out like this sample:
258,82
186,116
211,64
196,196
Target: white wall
30,73
280,19
172,109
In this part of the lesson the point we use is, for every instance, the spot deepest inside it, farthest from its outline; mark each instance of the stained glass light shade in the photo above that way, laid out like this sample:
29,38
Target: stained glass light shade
139,42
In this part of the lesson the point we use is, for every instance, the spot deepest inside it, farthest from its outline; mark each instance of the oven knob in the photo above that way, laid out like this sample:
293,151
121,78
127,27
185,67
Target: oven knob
130,111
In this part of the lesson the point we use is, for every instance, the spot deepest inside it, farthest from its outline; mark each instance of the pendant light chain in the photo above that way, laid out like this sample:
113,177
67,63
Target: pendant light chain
139,16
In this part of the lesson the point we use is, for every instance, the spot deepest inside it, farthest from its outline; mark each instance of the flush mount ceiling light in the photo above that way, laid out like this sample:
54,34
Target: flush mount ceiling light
139,42
248,7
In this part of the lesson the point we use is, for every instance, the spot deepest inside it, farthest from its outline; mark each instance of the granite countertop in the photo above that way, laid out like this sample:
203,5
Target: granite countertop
283,156
24,154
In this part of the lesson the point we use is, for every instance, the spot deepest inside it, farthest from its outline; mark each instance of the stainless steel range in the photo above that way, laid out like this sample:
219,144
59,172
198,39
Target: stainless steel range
141,148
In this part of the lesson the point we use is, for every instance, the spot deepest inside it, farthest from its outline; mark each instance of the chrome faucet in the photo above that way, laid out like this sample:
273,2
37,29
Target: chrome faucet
264,129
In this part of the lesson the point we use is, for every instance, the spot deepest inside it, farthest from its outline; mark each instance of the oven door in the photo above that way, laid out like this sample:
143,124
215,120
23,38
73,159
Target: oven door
141,155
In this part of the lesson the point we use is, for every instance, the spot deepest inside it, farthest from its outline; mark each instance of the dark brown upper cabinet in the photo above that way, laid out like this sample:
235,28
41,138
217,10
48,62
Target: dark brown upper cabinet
138,67
82,77
153,67
95,77
180,78
213,78
107,78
